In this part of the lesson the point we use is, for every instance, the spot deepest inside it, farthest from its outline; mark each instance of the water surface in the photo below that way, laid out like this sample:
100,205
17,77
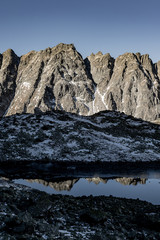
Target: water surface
143,189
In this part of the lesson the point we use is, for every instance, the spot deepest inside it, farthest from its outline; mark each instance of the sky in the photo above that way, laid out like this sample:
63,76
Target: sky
115,26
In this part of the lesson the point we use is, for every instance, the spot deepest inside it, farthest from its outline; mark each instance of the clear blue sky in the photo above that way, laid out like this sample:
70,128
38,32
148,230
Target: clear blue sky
115,26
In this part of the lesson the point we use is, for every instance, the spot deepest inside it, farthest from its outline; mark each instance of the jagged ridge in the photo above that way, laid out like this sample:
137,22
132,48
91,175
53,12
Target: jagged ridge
59,78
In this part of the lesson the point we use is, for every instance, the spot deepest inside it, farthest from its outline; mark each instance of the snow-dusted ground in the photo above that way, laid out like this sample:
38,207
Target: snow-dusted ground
60,136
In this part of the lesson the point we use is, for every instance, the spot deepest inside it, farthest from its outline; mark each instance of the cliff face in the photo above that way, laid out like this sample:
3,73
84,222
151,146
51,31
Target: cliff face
53,78
8,72
130,84
58,78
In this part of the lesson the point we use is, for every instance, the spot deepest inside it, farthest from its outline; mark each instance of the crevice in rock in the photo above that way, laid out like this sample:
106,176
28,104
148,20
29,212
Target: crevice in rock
1,59
111,66
113,103
48,97
124,70
88,68
35,86
157,72
39,75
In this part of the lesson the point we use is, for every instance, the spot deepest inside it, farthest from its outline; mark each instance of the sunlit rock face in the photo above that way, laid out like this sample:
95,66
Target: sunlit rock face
8,72
59,78
157,66
101,69
130,84
55,78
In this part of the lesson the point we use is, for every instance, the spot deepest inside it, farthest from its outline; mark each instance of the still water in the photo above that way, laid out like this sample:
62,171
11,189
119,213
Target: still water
141,188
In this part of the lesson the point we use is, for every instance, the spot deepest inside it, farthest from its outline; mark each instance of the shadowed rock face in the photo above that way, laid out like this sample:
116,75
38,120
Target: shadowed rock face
8,72
58,78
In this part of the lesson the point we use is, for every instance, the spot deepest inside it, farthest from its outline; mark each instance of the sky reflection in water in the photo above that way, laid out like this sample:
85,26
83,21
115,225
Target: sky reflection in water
150,191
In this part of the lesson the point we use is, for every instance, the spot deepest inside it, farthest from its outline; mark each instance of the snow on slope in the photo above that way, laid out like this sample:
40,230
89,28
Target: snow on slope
60,136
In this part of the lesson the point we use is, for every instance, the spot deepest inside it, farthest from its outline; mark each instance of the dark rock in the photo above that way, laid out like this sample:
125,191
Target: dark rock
19,229
148,221
58,136
94,216
67,217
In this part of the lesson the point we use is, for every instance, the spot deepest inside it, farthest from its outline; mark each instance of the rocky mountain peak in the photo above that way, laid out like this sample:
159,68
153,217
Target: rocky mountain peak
59,78
64,47
134,87
26,58
52,78
100,66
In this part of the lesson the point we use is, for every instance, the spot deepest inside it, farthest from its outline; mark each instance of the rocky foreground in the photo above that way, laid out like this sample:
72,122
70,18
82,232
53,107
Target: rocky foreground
59,136
30,214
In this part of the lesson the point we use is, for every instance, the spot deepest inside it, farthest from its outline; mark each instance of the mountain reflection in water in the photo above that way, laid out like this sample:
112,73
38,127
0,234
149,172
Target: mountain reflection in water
58,186
68,184
127,187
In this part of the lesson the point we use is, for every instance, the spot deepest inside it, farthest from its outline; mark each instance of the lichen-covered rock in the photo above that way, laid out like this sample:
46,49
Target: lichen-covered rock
8,72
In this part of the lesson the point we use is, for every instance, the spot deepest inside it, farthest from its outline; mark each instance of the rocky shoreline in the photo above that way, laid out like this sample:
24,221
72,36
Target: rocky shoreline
30,214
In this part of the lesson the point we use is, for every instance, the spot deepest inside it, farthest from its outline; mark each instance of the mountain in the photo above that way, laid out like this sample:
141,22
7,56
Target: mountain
59,78
60,136
53,78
